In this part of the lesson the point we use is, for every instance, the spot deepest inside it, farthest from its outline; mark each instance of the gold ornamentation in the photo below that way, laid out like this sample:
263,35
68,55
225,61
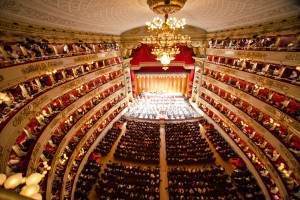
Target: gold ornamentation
166,7
41,66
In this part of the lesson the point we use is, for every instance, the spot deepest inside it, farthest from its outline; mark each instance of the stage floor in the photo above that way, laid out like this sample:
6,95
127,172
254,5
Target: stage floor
161,106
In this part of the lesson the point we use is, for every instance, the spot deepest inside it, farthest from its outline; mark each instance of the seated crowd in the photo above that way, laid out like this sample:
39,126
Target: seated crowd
184,144
157,106
107,142
260,43
64,160
87,179
24,50
221,146
260,167
289,74
89,174
140,143
208,184
128,182
246,185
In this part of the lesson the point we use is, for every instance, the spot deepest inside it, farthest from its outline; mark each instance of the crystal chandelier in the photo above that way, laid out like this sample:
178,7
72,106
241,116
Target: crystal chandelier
164,34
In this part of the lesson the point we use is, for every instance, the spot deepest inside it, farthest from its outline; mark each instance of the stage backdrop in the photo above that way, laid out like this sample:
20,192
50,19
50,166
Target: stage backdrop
162,82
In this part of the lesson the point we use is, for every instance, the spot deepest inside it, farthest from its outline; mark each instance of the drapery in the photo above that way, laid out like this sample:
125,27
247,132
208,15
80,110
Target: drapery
167,82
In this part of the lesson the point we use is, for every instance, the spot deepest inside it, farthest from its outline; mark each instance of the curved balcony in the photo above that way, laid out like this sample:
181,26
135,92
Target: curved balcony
276,105
63,153
25,92
29,50
277,57
86,142
267,171
273,84
285,133
286,172
32,110
248,162
258,43
92,149
13,75
65,114
284,155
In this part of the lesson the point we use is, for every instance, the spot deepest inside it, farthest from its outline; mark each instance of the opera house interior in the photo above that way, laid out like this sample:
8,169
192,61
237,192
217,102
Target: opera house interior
149,99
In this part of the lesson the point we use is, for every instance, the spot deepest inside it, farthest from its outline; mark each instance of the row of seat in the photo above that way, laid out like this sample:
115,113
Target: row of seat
25,50
119,181
287,105
66,153
89,174
259,43
16,97
140,143
185,145
291,140
253,157
219,143
266,146
277,72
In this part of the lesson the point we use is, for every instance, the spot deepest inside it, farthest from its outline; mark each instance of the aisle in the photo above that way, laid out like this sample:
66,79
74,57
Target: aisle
163,165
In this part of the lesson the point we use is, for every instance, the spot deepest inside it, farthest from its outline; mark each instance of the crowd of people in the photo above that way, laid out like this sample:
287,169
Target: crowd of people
280,101
24,50
87,179
120,181
63,160
246,185
255,159
280,72
107,142
16,97
140,143
161,106
208,184
259,43
221,146
274,127
185,145
27,139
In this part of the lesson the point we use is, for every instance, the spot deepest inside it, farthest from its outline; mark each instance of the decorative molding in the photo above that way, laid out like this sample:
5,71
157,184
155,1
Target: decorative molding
279,57
46,134
287,89
290,123
259,153
289,158
237,149
20,73
14,127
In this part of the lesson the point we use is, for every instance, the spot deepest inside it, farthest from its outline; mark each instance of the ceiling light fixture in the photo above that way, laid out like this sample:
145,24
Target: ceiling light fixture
165,37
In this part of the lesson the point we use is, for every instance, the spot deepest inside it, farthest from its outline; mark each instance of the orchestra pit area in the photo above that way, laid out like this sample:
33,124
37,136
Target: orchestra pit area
161,106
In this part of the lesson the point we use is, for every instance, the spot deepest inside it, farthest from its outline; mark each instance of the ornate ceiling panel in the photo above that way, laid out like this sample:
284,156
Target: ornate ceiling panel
117,16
